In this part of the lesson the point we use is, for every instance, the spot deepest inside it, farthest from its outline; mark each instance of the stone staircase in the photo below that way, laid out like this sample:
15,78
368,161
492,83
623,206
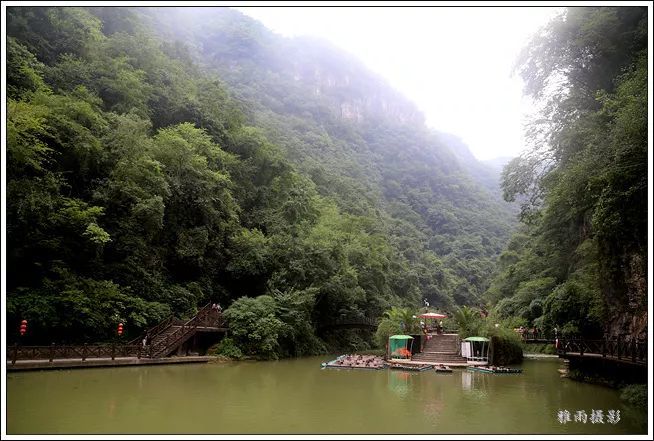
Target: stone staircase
441,348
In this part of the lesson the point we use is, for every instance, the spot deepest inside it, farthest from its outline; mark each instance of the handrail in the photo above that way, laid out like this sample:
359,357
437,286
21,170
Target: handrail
634,349
365,321
82,352
154,331
180,334
133,348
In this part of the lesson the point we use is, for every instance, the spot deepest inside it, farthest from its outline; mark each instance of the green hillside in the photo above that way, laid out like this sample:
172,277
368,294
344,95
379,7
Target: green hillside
158,161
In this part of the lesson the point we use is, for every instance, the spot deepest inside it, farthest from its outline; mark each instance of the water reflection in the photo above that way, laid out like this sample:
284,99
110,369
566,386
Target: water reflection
475,384
398,382
296,396
466,380
111,411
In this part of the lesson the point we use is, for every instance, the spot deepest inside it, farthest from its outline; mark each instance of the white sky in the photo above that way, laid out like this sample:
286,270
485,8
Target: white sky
455,63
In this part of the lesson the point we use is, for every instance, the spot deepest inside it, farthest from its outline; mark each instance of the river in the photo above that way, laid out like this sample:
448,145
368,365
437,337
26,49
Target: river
298,397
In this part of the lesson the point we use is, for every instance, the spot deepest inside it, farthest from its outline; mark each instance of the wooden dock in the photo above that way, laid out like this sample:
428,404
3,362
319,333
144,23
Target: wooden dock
68,363
431,363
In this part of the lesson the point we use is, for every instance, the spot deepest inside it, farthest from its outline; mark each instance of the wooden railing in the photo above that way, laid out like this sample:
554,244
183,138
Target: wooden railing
530,336
366,322
206,318
632,350
75,352
154,331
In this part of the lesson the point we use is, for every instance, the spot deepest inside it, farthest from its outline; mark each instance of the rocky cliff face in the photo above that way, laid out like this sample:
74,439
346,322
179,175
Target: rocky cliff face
628,311
239,46
354,92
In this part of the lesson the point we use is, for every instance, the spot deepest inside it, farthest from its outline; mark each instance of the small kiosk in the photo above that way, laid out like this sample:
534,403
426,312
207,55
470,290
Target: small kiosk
475,350
399,346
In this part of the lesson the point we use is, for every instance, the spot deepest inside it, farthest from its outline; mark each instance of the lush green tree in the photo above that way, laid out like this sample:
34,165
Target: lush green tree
148,176
580,262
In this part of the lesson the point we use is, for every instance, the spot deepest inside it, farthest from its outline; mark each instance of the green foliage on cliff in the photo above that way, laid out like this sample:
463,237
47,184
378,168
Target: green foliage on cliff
580,258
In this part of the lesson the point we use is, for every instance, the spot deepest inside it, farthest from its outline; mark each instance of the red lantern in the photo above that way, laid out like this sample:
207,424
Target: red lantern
120,329
23,327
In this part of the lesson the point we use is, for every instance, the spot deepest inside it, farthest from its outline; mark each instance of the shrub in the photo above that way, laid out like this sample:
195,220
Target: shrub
635,394
385,329
228,348
506,347
255,326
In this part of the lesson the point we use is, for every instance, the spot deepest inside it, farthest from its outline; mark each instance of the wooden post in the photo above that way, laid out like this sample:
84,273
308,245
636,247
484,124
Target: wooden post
633,350
13,359
617,343
581,348
604,348
138,352
52,351
84,352
113,351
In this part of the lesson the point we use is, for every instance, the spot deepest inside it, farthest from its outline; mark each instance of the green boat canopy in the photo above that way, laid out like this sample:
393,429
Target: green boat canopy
475,339
400,337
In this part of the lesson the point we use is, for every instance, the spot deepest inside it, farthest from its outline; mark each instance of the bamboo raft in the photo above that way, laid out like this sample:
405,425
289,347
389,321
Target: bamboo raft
356,362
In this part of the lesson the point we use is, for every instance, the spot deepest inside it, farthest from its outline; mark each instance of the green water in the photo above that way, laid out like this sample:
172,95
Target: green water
297,396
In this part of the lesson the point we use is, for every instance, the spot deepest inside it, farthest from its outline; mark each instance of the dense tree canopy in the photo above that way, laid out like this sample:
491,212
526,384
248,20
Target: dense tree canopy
580,261
139,184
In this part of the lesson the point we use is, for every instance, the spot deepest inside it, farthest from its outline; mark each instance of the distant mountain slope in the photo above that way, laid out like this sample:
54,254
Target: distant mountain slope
487,173
361,141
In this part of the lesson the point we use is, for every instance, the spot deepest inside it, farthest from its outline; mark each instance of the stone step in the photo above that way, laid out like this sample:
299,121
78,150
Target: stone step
436,356
440,357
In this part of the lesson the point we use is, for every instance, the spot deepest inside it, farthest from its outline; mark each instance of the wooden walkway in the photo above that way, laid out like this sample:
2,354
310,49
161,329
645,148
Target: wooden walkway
166,339
68,363
619,351
350,323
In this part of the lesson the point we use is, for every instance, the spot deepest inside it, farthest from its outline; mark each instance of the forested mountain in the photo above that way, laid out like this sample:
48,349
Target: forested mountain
579,263
158,159
359,140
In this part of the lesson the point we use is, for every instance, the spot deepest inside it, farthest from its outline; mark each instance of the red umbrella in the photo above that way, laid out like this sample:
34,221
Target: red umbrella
432,315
